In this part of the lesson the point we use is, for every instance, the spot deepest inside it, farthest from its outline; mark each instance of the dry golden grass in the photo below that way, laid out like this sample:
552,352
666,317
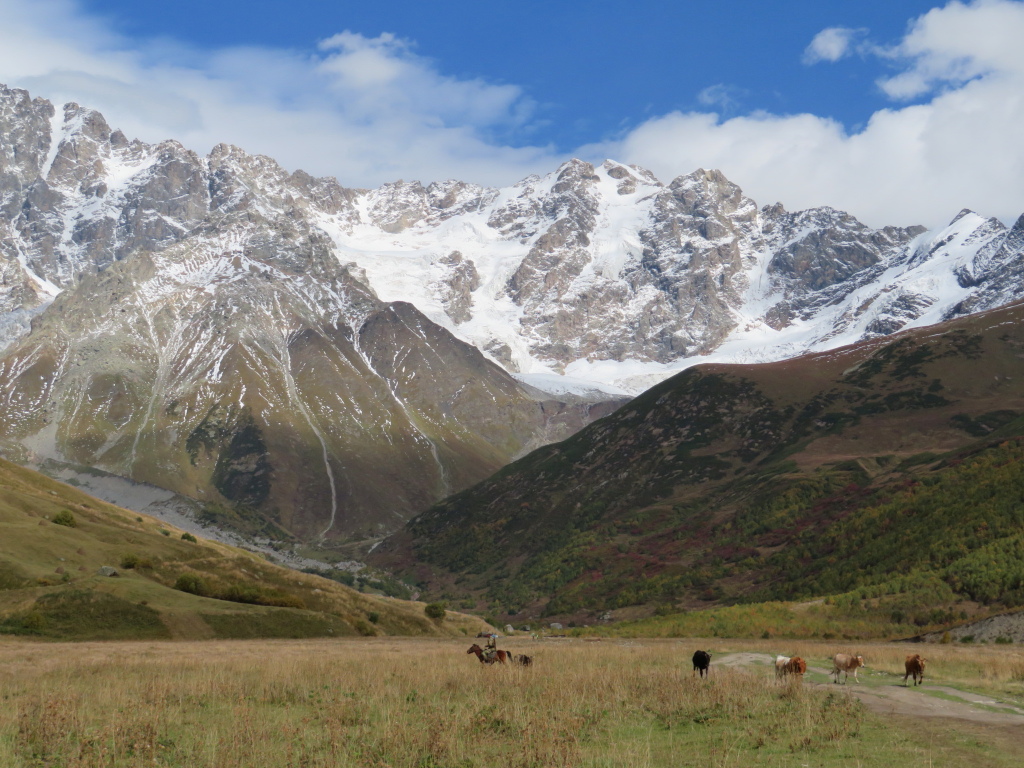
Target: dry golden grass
421,704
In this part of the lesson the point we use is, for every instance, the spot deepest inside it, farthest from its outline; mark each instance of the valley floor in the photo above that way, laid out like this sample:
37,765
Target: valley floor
426,702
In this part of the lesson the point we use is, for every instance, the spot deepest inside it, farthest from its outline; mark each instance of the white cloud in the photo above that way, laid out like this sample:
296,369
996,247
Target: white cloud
367,110
919,163
832,44
951,46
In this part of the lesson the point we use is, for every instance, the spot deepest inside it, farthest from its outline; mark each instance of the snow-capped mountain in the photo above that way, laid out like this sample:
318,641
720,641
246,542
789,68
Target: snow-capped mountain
338,358
183,321
607,276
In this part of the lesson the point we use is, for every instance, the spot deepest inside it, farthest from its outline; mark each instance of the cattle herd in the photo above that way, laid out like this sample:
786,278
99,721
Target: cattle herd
842,664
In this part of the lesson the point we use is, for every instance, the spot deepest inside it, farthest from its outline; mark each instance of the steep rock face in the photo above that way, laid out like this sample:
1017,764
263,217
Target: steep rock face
815,249
455,287
996,270
25,126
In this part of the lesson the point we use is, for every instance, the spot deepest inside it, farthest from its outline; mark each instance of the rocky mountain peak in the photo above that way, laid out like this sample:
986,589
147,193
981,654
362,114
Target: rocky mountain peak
708,193
963,212
572,175
25,128
396,206
630,177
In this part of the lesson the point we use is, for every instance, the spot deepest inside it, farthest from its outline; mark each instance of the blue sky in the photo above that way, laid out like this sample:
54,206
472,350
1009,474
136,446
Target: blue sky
900,112
592,68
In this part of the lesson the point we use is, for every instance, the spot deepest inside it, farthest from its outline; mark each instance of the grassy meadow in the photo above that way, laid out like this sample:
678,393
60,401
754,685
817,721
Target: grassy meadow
425,703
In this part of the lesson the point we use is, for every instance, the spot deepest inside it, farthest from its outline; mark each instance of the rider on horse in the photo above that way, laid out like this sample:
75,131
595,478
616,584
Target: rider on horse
490,647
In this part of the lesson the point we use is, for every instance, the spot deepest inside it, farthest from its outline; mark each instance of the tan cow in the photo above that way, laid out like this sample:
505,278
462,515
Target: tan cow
845,663
915,667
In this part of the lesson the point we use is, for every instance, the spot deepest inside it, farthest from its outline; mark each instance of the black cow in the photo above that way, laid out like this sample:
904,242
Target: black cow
701,662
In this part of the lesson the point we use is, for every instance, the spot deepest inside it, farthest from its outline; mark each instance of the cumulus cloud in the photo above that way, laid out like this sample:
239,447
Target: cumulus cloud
919,163
832,44
949,47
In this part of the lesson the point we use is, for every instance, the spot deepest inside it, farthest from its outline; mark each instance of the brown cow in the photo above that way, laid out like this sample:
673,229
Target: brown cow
784,665
845,663
796,666
915,667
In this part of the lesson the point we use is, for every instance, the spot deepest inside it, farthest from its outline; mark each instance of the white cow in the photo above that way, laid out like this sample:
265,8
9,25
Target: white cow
780,665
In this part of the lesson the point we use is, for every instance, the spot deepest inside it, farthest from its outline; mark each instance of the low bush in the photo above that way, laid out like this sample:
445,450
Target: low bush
65,518
435,611
194,585
130,561
363,628
250,594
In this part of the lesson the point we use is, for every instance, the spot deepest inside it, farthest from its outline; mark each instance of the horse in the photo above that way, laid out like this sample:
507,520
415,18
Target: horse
502,657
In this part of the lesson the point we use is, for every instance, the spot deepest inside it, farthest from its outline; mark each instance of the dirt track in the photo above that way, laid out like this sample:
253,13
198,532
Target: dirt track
895,699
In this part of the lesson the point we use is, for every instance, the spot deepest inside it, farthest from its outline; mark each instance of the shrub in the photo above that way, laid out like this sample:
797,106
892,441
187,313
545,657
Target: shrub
129,561
65,518
435,611
165,532
194,585
373,616
189,537
967,639
1003,640
363,628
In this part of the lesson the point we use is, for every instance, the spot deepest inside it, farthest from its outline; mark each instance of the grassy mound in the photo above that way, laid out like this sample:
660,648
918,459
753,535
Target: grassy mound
60,546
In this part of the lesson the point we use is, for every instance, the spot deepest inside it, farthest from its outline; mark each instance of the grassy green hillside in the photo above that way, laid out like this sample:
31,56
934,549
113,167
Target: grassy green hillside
54,541
889,474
